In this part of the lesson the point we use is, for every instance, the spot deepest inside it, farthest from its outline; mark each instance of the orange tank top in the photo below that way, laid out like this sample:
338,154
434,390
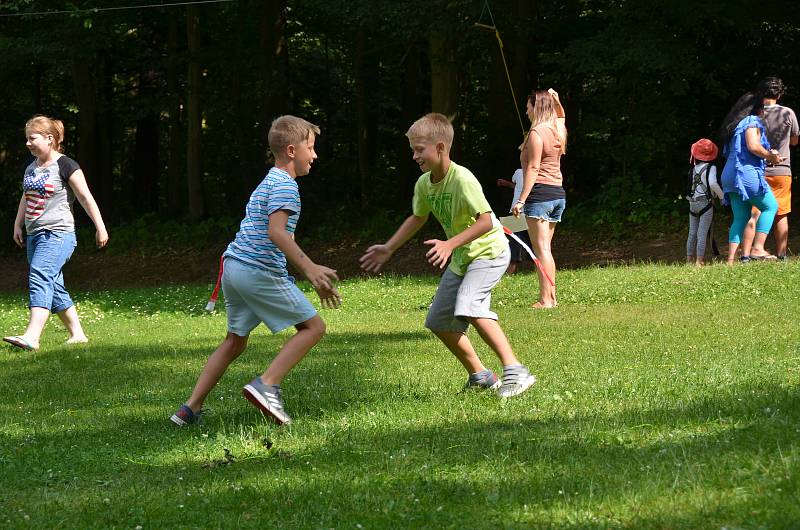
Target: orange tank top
550,165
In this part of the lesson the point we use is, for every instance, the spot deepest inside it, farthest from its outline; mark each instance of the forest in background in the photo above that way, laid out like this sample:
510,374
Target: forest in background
167,107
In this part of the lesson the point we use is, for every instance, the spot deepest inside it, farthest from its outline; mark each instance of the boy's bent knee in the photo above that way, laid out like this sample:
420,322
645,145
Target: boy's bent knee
235,344
314,325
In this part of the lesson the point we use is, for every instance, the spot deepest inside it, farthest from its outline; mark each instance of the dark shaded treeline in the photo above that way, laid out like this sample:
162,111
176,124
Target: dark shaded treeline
167,108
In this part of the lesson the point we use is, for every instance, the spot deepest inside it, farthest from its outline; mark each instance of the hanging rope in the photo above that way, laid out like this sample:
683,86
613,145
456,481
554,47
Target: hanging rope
496,31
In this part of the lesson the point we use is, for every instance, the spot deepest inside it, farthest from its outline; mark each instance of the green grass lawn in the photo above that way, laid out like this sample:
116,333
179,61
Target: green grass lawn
667,397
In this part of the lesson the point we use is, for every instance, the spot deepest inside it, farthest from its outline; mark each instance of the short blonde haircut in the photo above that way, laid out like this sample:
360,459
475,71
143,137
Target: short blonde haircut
289,130
433,127
44,126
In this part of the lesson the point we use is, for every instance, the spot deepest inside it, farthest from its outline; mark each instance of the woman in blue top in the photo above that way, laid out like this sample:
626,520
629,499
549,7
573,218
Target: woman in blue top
747,149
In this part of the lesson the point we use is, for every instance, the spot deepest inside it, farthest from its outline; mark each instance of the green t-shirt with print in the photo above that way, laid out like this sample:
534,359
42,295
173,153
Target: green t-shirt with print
456,201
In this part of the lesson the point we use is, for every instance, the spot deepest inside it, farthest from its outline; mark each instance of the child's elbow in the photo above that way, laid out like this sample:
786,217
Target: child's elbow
275,233
485,222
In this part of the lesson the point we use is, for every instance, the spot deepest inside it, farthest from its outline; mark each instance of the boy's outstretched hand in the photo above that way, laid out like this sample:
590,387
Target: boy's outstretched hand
439,253
330,298
375,257
322,279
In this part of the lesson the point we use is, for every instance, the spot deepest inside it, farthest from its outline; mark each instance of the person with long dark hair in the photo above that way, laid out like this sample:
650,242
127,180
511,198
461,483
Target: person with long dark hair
747,151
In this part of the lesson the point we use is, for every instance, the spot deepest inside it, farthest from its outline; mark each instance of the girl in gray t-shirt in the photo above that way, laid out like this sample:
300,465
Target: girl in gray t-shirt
50,185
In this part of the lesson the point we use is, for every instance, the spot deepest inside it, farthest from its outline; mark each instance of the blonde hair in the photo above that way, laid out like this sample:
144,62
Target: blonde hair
289,130
47,126
433,127
544,112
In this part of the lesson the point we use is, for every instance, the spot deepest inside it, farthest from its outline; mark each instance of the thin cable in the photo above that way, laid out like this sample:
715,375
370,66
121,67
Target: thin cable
488,8
118,8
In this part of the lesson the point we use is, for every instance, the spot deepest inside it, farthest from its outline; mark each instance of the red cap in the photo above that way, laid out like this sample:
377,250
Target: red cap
704,150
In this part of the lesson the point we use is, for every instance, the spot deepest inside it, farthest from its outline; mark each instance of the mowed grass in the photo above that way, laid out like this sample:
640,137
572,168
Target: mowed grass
667,397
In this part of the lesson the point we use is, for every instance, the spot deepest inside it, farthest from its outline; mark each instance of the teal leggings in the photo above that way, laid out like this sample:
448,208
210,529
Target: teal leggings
741,214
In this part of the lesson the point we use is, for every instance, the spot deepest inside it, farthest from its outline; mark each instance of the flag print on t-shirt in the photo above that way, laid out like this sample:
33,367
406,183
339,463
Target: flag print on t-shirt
37,191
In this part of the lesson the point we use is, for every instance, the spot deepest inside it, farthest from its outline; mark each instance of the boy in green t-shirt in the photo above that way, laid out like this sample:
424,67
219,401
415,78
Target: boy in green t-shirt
478,249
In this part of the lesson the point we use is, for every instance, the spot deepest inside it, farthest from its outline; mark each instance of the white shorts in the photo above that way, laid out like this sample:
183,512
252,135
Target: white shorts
458,297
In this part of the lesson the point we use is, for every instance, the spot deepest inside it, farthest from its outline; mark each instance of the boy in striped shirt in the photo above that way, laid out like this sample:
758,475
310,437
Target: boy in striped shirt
256,284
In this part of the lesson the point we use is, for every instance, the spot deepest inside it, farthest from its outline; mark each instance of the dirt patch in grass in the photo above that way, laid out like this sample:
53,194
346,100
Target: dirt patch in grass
91,269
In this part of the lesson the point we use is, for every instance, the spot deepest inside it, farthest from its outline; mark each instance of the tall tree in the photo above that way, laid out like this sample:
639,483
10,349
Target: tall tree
92,84
365,72
194,117
176,176
146,166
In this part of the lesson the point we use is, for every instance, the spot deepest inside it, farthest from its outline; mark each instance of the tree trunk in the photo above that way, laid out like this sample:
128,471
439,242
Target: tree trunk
145,162
273,67
194,117
505,111
365,72
176,178
38,70
94,130
415,101
444,77
445,90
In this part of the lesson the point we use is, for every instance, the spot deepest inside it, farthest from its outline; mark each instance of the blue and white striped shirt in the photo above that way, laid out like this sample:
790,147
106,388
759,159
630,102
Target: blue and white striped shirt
278,191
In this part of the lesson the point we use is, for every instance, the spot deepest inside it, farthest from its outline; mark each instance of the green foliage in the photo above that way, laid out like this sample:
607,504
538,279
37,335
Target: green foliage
640,79
627,206
149,233
657,406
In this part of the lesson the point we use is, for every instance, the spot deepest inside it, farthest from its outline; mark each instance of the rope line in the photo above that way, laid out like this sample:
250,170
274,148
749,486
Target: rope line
118,8
493,27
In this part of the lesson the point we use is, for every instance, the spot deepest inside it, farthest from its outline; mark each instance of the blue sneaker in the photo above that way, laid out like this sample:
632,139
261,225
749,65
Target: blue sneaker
482,381
186,416
268,399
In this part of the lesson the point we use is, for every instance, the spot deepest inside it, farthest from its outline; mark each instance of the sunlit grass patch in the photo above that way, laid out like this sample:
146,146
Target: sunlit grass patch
667,397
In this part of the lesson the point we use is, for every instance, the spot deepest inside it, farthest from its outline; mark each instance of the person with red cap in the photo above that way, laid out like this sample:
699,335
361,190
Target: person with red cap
703,187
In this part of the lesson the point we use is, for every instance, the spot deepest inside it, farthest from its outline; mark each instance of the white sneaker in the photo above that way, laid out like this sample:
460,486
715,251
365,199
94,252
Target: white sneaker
268,400
516,380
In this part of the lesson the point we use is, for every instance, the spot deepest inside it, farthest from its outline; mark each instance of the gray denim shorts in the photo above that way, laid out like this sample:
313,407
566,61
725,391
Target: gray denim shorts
459,297
253,295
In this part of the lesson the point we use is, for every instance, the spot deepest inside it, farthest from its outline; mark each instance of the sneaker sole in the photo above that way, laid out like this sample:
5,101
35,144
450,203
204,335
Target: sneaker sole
254,396
177,421
520,387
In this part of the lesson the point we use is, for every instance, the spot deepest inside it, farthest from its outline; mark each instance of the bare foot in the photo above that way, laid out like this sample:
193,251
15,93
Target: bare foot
83,339
542,305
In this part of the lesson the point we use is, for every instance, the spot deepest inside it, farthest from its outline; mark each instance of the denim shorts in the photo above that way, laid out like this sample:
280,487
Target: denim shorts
549,210
458,297
254,295
48,252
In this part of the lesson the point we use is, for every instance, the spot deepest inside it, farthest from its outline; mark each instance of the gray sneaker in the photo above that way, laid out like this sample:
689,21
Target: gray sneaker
516,380
487,382
268,400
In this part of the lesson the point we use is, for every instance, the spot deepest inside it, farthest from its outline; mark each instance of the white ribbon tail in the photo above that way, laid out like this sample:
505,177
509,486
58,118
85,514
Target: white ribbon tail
538,263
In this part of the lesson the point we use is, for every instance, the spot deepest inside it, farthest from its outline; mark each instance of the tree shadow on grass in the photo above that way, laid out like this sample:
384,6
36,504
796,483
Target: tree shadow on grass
709,463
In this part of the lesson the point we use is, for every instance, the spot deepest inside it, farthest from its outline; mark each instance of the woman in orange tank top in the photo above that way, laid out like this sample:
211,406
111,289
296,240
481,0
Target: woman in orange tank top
542,199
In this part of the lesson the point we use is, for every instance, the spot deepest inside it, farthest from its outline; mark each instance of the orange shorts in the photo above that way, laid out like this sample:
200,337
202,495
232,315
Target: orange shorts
781,186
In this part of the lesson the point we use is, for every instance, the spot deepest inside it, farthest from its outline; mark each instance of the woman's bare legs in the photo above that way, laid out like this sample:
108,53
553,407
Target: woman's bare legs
541,234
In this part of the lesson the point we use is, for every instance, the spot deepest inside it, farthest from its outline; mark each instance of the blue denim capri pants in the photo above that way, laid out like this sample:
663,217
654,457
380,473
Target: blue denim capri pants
48,252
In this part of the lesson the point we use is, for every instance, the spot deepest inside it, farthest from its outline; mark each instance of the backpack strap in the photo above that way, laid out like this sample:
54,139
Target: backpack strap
697,181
